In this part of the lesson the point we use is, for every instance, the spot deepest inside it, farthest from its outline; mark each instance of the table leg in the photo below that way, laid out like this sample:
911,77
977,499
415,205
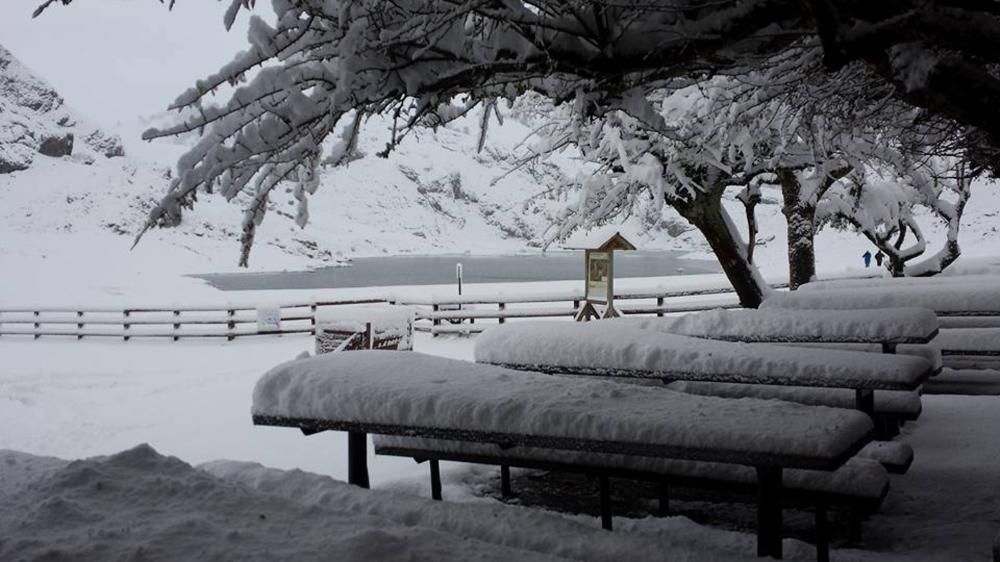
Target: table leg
605,502
822,533
769,511
435,479
865,400
357,458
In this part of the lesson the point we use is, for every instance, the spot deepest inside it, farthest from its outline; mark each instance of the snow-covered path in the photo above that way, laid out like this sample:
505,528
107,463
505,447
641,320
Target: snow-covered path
947,506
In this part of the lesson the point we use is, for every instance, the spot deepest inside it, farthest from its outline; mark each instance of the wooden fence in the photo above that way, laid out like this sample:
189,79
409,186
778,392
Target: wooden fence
436,315
230,322
459,314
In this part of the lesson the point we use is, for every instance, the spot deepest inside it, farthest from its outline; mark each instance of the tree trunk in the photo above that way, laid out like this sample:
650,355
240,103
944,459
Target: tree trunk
705,212
750,197
800,219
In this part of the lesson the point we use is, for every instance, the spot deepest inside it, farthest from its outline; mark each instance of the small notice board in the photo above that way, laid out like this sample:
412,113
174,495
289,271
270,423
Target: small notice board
599,271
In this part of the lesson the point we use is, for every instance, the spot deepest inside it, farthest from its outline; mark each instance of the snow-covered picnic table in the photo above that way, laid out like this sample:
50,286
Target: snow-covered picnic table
945,299
879,326
411,394
609,349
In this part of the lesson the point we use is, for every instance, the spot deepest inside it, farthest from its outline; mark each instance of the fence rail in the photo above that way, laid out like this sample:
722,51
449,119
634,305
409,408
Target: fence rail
436,315
228,321
459,314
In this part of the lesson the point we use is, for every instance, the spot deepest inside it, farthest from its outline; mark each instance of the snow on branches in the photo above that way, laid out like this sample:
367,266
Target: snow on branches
325,66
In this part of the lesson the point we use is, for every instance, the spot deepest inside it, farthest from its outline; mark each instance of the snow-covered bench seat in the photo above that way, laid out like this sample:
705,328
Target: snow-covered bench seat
949,301
890,406
971,347
886,327
595,348
859,485
411,394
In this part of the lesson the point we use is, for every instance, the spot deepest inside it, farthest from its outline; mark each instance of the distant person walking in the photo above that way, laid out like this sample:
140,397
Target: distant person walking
879,257
867,256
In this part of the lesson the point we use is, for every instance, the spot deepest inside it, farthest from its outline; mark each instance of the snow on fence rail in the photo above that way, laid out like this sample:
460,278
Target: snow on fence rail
435,314
457,310
201,321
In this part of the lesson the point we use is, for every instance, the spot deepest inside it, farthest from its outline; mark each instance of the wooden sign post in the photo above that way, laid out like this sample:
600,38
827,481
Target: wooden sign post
599,271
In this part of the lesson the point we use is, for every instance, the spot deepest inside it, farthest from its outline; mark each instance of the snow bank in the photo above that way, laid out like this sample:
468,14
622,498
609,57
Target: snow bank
528,530
139,505
773,325
615,350
420,391
941,298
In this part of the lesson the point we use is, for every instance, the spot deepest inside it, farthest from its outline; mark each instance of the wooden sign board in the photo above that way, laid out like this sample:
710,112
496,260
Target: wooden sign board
599,276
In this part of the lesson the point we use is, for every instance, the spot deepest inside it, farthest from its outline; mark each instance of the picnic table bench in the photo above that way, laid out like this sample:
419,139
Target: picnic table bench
958,302
903,330
888,327
859,485
593,349
416,395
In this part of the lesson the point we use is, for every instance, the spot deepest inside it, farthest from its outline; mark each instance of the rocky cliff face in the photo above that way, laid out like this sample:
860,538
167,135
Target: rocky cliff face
34,120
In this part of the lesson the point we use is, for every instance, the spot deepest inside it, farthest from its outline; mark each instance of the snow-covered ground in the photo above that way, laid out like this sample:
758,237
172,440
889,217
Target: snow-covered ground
66,228
72,400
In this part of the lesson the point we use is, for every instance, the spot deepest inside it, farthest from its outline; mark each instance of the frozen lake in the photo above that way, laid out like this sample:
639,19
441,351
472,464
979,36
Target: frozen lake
435,270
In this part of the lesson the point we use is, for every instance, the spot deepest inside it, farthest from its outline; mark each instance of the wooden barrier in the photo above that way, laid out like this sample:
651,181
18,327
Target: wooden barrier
436,315
230,322
459,314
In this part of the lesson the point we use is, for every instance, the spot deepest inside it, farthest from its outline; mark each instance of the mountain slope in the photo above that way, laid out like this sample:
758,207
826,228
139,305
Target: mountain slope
34,120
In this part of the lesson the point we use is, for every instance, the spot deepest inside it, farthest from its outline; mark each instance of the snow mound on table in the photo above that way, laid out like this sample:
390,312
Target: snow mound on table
632,352
972,296
895,324
140,505
413,390
528,530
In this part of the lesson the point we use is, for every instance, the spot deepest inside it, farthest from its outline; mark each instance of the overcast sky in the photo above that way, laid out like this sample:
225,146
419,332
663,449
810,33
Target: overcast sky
114,60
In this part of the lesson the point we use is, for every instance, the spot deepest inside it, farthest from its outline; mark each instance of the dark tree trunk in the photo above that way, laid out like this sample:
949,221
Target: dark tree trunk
801,224
750,198
705,213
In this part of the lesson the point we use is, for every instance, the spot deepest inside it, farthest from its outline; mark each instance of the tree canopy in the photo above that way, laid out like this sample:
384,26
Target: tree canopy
804,89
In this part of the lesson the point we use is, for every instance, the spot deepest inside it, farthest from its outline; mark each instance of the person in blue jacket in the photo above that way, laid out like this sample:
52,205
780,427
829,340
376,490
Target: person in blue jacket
867,256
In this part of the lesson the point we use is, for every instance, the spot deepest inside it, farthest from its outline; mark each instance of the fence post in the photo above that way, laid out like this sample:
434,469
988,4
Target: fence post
369,342
502,307
177,324
312,318
659,306
79,325
231,325
125,325
37,325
